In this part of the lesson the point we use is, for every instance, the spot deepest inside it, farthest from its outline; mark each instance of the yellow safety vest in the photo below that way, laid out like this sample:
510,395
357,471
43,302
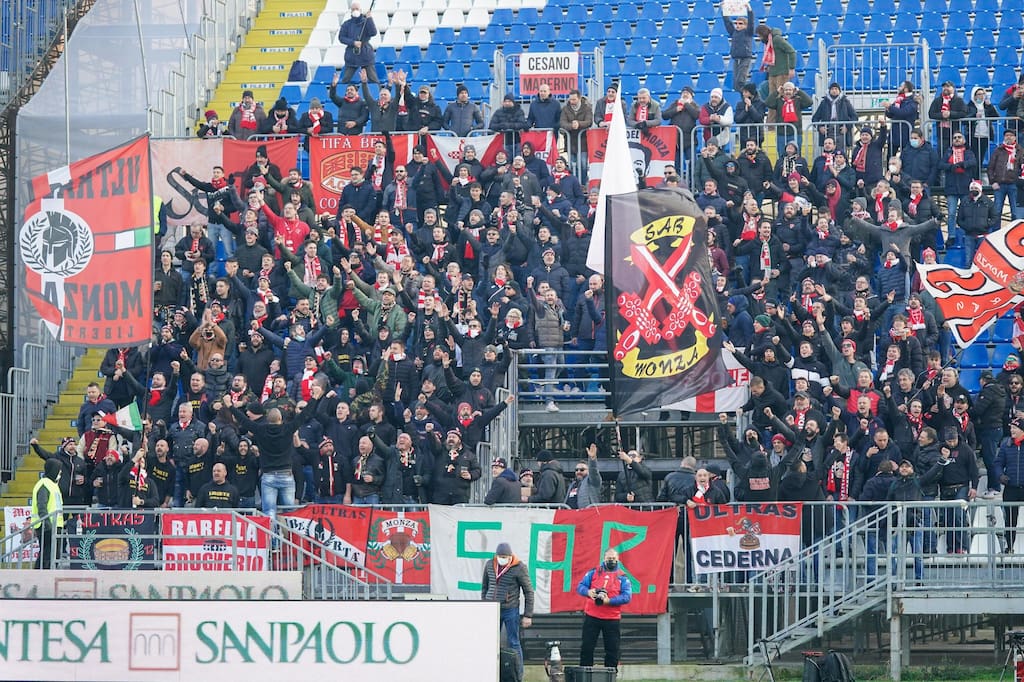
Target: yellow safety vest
53,505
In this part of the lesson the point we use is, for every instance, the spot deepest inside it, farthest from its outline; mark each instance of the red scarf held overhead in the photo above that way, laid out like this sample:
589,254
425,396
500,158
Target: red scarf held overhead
769,53
789,111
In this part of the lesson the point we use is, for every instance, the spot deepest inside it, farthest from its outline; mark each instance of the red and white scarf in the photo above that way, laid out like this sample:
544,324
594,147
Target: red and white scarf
641,112
912,206
880,207
769,53
248,120
609,103
789,111
377,179
311,270
314,118
945,107
915,320
1011,155
860,159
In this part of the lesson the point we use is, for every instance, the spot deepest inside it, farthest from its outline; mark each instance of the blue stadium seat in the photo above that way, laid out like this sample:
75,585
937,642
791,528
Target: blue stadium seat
575,14
570,32
410,54
935,7
651,10
590,44
552,14
427,72
906,21
564,46
386,54
933,37
463,52
445,92
911,8
975,356
445,35
986,39
706,82
626,12
542,33
615,47
493,34
436,52
831,8
1004,77
634,64
801,25
503,16
1001,350
964,6
854,24
318,90
1010,22
452,71
971,379
594,30
880,22
620,30
932,22
628,85
718,43
947,73
602,13
666,44
612,66
661,63
520,33
714,63
979,57
656,84
529,16
902,36
645,29
479,70
323,73
805,8
1006,55
292,93
471,35
861,8
1001,331
952,58
874,37
983,21
827,24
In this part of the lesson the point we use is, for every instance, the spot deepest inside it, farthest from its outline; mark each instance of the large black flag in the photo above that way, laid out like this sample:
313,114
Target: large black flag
665,340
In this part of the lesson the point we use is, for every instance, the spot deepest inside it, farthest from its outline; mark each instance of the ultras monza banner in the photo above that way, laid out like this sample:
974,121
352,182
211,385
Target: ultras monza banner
559,546
86,244
665,339
736,537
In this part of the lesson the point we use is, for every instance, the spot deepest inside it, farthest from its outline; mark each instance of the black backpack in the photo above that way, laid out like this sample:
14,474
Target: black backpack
299,72
836,667
509,666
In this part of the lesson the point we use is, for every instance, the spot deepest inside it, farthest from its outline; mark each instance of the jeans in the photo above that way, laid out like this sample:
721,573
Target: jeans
329,499
952,204
510,620
915,536
247,502
609,628
277,488
1006,191
373,499
989,441
309,488
216,232
970,247
740,72
954,518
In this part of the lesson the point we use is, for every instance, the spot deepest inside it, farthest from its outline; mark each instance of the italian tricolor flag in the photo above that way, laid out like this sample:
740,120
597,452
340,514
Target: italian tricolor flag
127,417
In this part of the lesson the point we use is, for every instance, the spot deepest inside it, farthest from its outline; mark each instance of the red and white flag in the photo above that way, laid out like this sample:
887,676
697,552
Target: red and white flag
545,144
731,537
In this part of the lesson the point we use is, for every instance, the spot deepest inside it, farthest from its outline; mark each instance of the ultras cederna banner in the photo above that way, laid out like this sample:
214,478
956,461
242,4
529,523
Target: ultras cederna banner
733,537
86,243
559,546
133,641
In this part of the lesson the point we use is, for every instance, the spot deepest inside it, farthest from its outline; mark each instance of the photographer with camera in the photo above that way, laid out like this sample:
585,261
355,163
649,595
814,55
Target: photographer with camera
606,588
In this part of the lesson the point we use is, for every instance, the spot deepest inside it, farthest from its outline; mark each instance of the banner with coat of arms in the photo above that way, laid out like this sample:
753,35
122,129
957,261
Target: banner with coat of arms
86,244
113,541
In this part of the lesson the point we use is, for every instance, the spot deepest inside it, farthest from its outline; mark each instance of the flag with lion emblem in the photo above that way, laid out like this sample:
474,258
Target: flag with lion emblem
86,244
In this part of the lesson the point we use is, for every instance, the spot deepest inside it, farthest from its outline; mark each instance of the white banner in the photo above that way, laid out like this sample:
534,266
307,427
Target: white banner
463,538
264,586
560,70
244,642
738,537
14,549
724,399
215,542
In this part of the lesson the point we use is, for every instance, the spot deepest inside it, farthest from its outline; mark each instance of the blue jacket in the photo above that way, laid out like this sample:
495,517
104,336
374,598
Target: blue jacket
1010,463
358,29
544,114
361,197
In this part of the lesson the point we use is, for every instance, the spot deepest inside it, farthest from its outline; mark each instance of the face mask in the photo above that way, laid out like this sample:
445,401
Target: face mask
611,564
915,143
299,338
504,560
356,14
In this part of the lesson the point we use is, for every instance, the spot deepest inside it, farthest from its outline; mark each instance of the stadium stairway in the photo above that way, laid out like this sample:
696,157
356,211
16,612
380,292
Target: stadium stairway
60,423
262,63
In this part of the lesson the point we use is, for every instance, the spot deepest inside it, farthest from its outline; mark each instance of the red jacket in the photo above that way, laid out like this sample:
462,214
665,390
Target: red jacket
615,583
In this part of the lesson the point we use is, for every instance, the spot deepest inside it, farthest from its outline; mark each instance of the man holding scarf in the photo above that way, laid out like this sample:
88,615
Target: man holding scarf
946,108
779,61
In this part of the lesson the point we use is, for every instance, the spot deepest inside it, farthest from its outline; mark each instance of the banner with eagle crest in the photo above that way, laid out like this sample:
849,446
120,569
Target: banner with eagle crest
86,244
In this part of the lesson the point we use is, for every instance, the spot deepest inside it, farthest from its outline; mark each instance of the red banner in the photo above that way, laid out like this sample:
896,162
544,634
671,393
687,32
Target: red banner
651,150
644,540
338,532
330,158
215,542
545,144
398,546
87,246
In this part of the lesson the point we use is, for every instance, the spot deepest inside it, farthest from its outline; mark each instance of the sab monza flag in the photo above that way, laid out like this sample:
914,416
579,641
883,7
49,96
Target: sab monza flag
972,299
87,247
729,537
558,546
665,340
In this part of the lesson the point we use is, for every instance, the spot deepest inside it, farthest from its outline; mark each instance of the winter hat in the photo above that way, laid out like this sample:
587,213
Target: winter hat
504,549
211,114
461,89
544,456
716,91
453,432
281,104
509,97
763,320
247,93
794,176
975,185
929,251
499,462
325,442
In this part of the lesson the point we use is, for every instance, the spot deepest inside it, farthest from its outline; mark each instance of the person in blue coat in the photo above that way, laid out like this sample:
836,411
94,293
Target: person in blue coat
355,35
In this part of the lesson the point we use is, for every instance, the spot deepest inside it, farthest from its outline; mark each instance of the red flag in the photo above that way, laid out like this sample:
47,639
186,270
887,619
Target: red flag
398,546
650,152
545,144
330,161
87,246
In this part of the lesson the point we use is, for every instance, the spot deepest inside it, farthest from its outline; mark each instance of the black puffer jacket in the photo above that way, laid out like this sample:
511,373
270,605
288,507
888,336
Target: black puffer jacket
987,411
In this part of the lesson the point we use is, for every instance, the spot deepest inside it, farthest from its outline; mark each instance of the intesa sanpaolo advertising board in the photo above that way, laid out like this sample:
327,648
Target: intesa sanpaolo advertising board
188,641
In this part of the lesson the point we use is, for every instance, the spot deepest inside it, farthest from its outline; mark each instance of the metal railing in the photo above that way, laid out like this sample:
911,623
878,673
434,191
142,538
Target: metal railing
574,375
30,389
326,574
874,553
28,29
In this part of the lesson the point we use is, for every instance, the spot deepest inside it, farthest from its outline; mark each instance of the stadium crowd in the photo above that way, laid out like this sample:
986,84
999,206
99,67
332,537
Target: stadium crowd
353,357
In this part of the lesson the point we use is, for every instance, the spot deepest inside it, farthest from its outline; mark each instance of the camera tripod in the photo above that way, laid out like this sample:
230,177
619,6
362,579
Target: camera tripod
1014,653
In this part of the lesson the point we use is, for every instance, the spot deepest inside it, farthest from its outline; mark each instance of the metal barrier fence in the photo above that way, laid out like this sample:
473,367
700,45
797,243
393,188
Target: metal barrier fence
27,29
30,389
541,375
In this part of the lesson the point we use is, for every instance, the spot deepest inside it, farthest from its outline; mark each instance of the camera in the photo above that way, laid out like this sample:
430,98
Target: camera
601,598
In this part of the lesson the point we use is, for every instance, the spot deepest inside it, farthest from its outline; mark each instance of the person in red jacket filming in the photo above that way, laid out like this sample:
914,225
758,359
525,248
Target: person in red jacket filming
606,588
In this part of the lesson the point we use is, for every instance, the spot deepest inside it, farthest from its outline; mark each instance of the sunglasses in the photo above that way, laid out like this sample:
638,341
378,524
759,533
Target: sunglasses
580,469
